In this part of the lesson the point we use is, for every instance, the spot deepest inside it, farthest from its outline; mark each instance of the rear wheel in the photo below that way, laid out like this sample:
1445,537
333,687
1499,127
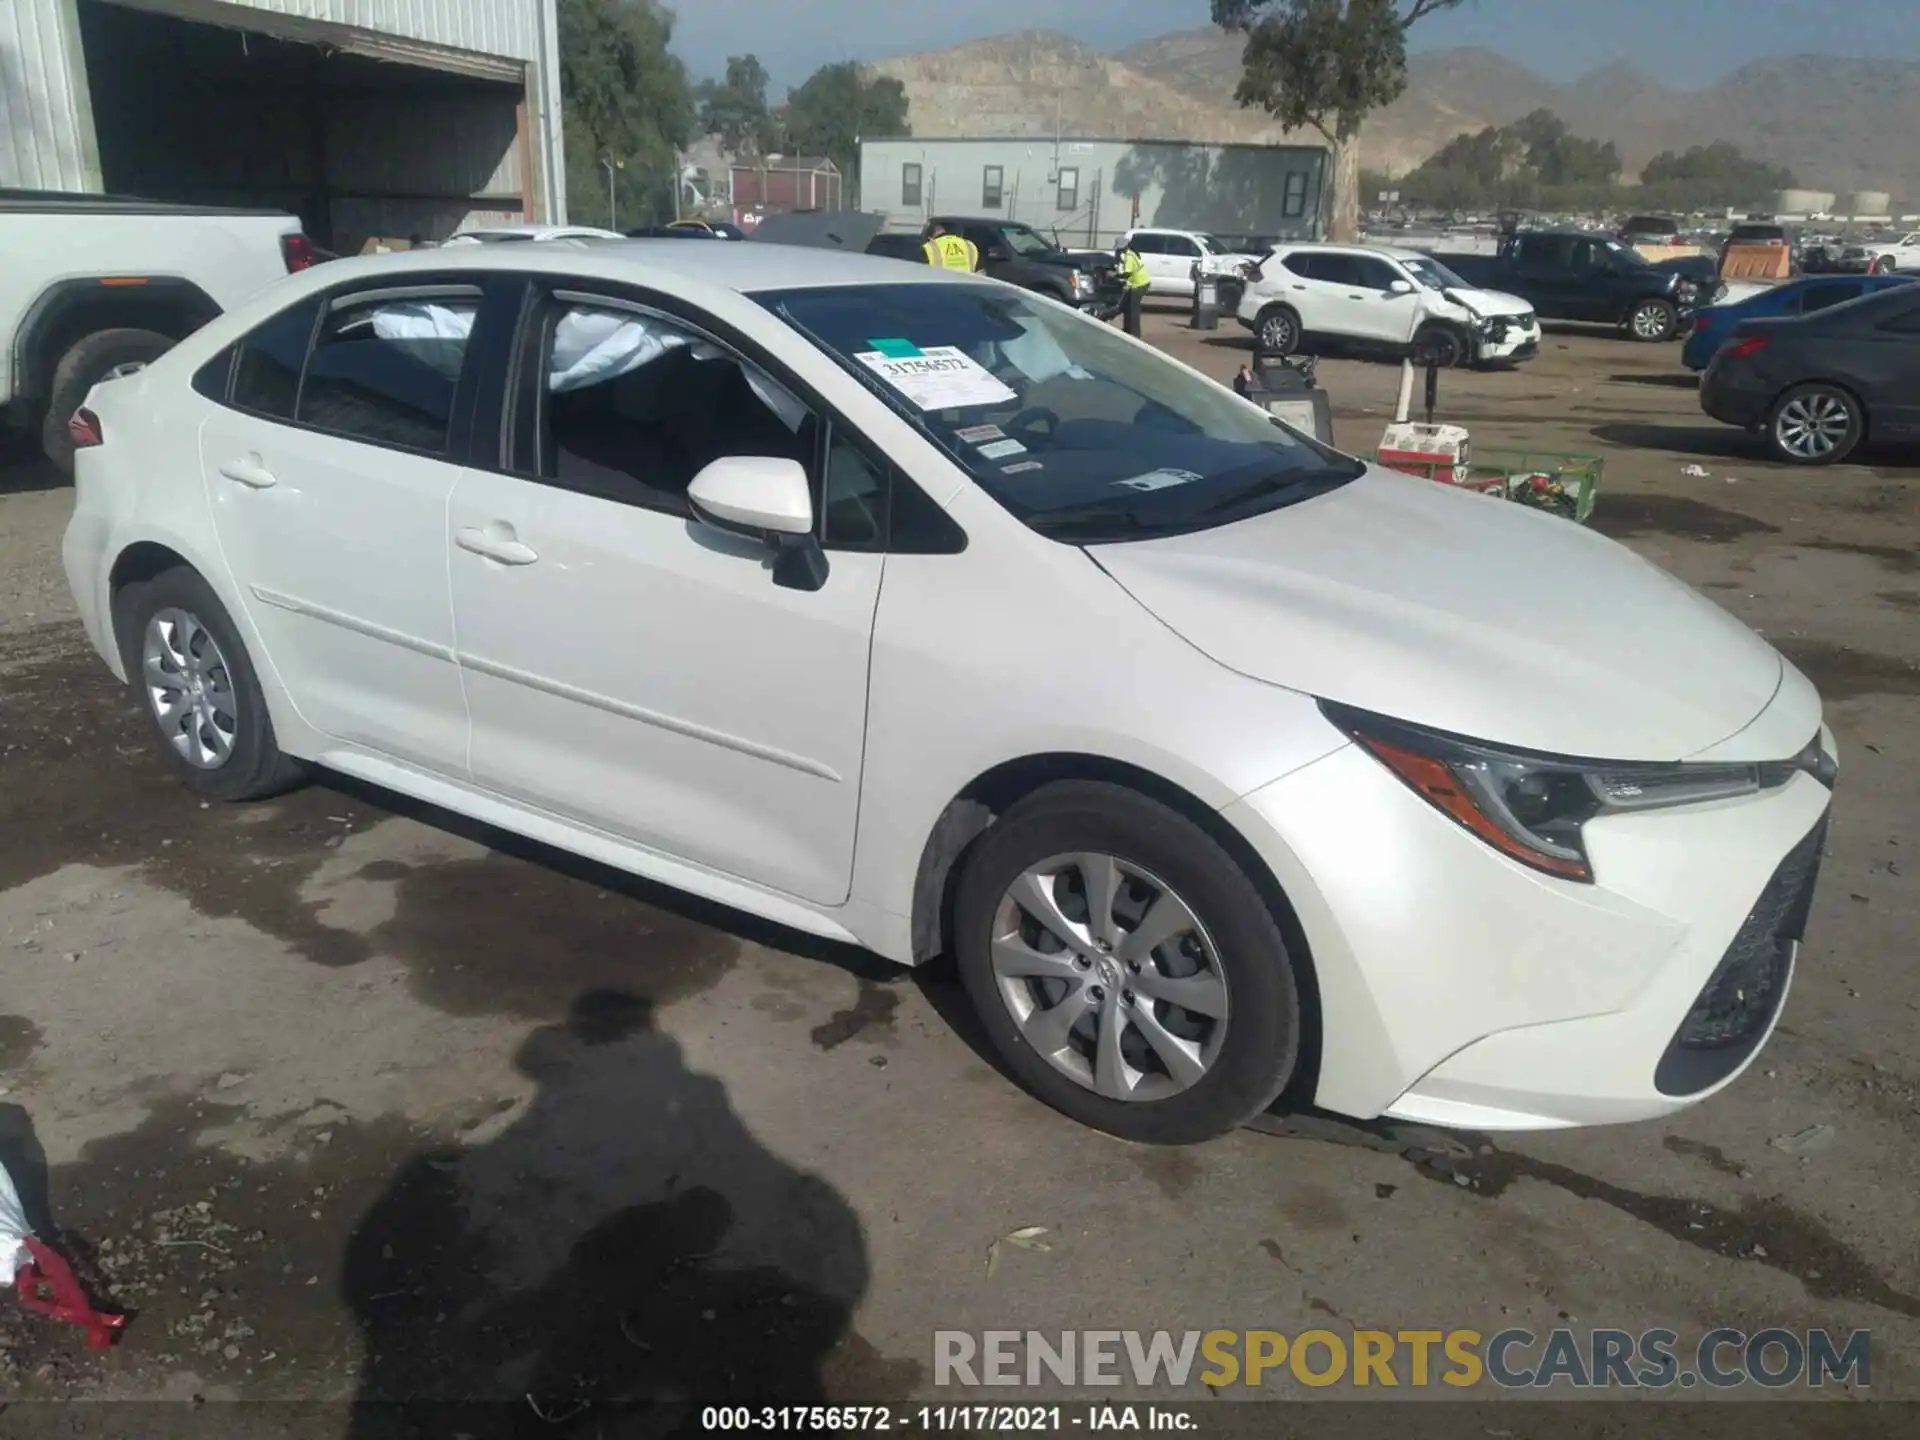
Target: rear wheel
197,684
1653,321
1125,968
103,355
1815,425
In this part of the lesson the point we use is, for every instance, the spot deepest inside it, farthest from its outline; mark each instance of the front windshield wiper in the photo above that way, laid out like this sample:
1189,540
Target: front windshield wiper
1274,485
1096,518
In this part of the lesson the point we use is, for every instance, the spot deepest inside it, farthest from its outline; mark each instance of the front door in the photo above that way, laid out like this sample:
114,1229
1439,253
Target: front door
630,668
1379,313
1172,268
328,467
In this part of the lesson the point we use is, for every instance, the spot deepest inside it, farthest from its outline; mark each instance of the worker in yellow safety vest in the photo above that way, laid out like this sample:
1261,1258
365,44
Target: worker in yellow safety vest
950,252
1133,272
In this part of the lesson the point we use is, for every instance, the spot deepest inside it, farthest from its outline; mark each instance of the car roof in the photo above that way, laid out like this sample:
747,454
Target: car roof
745,269
1384,252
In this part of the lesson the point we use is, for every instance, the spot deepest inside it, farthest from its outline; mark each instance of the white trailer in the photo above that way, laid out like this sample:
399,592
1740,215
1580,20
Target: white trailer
364,118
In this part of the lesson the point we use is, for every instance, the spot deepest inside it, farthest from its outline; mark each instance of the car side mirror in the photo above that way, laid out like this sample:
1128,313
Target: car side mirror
766,498
1400,287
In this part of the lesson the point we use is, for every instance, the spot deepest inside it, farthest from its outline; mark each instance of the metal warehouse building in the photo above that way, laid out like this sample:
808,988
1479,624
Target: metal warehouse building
363,117
1089,191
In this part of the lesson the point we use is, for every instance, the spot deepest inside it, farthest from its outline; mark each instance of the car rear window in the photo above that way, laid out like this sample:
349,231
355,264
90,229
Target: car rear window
266,378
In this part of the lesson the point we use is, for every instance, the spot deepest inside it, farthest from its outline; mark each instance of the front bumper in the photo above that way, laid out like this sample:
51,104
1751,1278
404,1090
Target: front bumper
1459,988
1506,340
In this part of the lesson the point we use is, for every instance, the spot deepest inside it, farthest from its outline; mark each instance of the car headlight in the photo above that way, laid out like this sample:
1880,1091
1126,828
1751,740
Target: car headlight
1534,808
1082,282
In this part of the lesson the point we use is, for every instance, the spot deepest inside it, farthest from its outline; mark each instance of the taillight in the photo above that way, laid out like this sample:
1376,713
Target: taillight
297,251
1702,321
1256,272
1740,349
83,428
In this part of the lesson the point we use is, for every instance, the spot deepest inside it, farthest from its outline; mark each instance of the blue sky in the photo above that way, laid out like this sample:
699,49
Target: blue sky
1687,43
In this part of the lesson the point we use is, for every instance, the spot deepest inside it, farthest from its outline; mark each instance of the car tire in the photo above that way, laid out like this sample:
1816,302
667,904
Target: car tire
1445,346
1198,1076
213,726
1815,424
1653,321
1276,330
88,361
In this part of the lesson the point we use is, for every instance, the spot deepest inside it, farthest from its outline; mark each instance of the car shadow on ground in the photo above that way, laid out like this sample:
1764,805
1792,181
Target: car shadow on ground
1715,442
621,1254
23,469
937,980
1687,380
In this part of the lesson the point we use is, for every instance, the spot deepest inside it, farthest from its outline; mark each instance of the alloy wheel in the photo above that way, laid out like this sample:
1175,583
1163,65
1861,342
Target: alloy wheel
189,688
1277,335
1814,425
1110,976
1649,322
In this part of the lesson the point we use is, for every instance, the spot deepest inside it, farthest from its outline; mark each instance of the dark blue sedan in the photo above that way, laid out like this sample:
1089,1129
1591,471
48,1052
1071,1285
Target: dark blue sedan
1714,326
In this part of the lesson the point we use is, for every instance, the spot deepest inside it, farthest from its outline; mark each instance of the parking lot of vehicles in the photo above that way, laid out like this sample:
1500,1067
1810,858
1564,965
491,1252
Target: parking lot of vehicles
412,1066
1818,385
94,286
1889,256
1396,302
1567,275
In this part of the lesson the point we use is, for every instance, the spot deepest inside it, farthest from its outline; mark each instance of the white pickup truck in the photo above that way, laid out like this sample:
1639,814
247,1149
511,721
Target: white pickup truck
92,286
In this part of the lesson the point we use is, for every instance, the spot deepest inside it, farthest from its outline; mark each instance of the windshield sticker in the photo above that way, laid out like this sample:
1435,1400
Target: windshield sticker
942,378
980,434
896,349
1000,449
1160,480
1024,465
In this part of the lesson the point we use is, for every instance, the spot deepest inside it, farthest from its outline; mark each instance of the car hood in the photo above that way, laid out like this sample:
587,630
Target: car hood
1489,302
1416,600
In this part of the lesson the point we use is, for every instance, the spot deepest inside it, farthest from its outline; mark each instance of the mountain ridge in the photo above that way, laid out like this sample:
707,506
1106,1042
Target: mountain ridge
1833,121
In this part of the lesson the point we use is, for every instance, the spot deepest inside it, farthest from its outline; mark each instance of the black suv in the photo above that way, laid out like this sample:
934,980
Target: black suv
1572,275
1022,256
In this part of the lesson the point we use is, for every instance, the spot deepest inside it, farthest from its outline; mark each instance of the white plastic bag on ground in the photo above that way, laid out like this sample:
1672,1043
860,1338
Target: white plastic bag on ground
13,1229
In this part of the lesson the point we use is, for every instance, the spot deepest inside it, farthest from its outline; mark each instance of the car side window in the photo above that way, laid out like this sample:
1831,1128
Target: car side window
1372,273
853,509
1147,245
630,405
1304,265
1819,297
385,366
266,374
1337,269
1180,245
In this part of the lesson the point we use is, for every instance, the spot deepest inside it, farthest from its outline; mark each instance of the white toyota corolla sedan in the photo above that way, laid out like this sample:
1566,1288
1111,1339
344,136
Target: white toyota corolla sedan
914,610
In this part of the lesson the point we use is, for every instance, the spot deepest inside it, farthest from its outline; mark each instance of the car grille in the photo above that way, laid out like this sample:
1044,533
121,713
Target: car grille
1733,1011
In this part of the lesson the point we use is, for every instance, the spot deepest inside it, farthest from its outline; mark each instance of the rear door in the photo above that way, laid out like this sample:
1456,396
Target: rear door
1895,407
329,469
637,671
1543,274
1304,281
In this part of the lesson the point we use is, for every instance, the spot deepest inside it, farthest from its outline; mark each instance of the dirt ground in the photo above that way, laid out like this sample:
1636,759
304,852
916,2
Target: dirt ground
345,1098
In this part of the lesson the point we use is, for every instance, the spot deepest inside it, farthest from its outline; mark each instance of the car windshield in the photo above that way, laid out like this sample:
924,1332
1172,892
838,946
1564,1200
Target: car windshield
1079,432
1628,256
1432,274
1023,241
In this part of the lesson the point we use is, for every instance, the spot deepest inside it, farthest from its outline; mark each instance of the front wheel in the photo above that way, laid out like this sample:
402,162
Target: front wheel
193,677
1124,967
1441,346
1278,331
1815,425
1653,321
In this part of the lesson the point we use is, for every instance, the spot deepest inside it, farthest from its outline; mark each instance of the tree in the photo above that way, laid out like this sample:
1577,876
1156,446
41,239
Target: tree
837,105
1717,174
1326,64
736,110
625,100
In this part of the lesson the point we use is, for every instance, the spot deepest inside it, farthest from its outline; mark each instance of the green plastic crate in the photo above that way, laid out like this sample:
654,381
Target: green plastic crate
1560,483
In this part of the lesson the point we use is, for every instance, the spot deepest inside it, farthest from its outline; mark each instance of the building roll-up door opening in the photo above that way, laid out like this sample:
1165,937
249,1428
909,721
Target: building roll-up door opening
356,146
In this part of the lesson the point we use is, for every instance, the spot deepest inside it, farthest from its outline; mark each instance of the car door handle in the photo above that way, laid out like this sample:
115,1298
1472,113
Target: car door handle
493,547
248,471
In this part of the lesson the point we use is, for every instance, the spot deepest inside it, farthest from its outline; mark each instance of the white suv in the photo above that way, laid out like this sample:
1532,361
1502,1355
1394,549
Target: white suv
1172,257
1397,300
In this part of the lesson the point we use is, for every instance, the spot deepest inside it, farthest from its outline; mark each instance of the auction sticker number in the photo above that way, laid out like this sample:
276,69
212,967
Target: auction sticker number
942,378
